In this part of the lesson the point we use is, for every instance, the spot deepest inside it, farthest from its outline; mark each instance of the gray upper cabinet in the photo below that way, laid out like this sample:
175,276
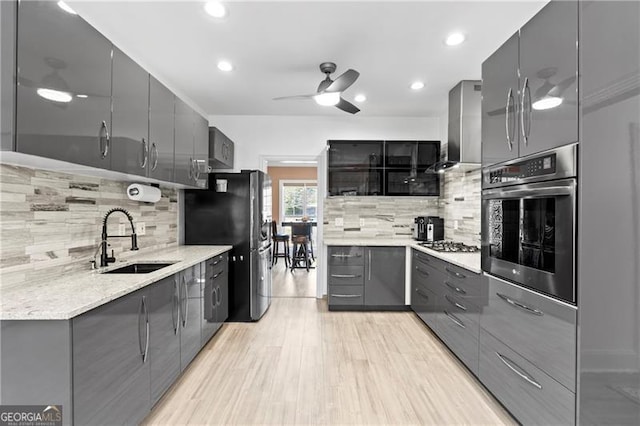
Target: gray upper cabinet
8,10
64,86
130,116
223,148
384,276
164,335
111,364
183,153
500,134
161,129
200,150
548,78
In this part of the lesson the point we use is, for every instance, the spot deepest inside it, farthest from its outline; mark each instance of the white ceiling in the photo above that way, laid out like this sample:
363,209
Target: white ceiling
276,48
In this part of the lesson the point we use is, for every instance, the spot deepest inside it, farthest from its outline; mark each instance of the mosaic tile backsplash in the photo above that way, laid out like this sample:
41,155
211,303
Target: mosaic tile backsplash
50,222
462,203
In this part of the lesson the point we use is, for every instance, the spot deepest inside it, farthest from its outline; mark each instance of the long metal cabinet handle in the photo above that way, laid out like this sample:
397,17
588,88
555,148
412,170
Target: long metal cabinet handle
103,134
191,171
422,271
214,298
554,191
147,327
454,303
421,293
454,273
455,319
184,303
176,306
196,170
155,156
346,296
345,255
140,339
523,126
454,288
507,123
520,305
506,361
218,296
369,251
145,154
345,276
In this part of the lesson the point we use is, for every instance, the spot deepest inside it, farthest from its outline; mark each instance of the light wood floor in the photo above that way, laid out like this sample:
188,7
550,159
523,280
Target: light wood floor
301,364
298,283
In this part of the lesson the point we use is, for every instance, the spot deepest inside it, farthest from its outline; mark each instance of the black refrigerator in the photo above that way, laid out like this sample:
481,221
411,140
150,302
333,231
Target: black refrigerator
236,210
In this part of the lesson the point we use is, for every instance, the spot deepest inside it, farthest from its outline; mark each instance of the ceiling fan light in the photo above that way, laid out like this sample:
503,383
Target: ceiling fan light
327,99
455,39
417,85
360,98
225,66
54,95
547,102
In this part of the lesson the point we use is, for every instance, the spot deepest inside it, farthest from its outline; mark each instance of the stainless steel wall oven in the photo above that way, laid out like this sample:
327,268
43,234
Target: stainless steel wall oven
529,221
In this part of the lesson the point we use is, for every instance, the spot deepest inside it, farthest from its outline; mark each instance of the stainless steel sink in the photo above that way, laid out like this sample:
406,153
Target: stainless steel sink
139,268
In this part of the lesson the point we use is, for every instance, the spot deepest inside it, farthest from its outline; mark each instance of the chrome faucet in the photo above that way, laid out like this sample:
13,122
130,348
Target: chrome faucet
105,259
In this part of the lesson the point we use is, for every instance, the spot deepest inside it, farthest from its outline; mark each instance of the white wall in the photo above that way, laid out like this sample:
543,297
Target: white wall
258,136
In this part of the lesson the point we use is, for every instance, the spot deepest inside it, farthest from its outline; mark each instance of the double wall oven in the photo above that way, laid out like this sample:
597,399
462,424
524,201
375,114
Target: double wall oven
529,222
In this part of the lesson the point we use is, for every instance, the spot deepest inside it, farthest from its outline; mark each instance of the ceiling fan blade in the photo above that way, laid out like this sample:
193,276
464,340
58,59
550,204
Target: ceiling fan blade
345,80
295,97
324,84
347,106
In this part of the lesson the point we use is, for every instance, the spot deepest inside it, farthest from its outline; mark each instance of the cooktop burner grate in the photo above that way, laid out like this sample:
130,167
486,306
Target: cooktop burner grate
450,247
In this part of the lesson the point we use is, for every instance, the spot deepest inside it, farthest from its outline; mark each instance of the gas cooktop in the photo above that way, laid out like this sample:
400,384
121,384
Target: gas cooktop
450,247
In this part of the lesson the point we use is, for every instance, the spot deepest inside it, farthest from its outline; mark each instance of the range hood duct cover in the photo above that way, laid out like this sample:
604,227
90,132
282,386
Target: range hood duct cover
464,130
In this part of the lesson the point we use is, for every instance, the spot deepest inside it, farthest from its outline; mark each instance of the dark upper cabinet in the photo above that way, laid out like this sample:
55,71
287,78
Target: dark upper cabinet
200,150
549,78
356,154
405,165
8,10
183,154
161,129
529,90
407,182
345,181
64,86
222,155
500,131
130,116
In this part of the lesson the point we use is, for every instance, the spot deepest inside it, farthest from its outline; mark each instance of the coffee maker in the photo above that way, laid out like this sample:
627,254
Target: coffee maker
428,228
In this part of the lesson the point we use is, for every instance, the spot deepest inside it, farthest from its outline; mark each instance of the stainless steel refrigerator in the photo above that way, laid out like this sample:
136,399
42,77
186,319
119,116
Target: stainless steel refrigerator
236,210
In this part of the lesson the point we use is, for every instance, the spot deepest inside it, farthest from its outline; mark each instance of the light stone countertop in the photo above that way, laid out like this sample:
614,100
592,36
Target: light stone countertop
66,297
469,261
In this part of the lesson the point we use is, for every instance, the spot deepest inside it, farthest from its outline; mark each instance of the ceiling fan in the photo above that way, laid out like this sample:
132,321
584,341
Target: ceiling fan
328,93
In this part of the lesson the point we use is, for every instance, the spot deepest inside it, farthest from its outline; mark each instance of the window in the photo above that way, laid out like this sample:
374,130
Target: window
298,199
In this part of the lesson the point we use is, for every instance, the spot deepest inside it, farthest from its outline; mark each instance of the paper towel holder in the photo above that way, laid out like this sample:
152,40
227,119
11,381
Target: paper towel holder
134,192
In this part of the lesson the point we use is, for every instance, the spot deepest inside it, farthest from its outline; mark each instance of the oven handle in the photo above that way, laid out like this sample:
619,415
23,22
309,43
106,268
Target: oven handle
492,194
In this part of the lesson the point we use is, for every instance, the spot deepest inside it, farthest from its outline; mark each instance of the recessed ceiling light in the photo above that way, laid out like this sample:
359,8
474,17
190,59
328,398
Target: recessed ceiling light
328,98
215,9
54,95
547,103
225,66
360,98
62,5
82,96
417,85
454,39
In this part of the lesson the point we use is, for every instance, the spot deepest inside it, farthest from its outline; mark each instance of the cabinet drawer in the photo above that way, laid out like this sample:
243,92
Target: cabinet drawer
345,256
346,295
461,336
425,304
473,286
346,275
425,259
459,307
526,391
540,329
217,264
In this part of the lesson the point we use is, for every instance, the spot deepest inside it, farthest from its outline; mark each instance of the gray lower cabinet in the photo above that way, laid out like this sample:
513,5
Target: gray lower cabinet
384,283
366,277
190,301
164,335
63,106
215,290
161,127
129,116
111,364
527,392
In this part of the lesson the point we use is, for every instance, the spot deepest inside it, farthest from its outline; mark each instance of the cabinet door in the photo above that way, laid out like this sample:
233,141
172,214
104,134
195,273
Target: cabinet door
209,324
161,128
164,335
499,91
548,78
410,182
130,116
348,181
8,10
384,281
200,150
363,154
64,86
223,296
189,315
183,144
110,366
222,149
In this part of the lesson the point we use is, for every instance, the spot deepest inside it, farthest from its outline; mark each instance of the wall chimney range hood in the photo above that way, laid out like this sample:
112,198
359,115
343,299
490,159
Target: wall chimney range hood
464,131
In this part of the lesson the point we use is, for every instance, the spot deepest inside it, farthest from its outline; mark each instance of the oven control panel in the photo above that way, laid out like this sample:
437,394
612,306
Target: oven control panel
533,167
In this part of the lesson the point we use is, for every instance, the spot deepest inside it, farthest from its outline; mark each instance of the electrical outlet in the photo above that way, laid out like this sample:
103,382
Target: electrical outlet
339,221
141,230
455,224
121,229
361,222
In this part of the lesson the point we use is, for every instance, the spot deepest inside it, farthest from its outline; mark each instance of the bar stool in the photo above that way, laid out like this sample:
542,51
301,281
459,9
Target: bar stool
279,238
301,238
